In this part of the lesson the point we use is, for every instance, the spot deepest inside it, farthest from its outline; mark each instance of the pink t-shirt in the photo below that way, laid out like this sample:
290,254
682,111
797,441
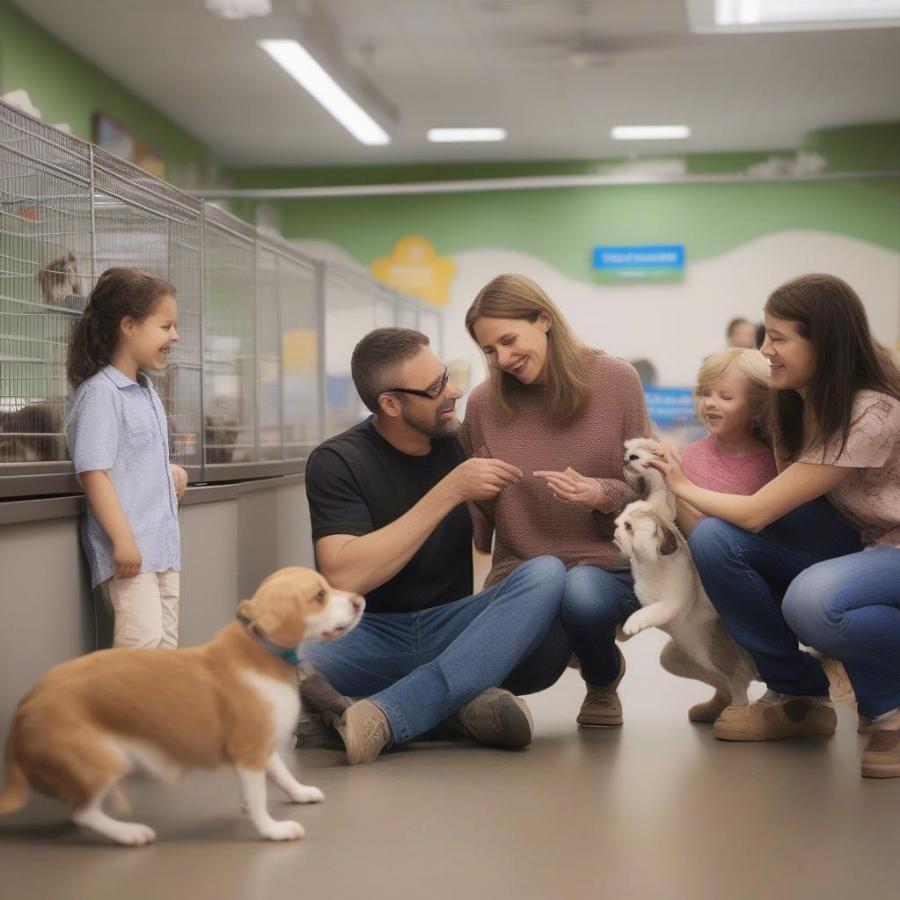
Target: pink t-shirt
709,468
870,497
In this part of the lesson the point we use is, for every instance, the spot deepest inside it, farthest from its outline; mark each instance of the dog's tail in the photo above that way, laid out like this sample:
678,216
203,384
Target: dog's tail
15,791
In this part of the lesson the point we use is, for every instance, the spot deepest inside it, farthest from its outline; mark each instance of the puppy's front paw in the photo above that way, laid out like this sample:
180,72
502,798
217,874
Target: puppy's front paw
304,793
635,624
283,831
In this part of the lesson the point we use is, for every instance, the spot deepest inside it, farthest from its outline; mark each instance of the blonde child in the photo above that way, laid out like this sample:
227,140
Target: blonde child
118,440
732,400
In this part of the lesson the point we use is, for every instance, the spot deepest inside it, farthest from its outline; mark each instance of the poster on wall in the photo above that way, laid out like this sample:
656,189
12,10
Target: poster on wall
415,268
118,140
641,262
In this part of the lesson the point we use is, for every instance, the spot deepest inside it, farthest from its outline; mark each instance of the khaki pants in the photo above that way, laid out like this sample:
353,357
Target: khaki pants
145,609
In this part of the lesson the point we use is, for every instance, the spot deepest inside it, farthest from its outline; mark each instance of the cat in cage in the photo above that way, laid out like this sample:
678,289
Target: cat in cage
59,282
32,433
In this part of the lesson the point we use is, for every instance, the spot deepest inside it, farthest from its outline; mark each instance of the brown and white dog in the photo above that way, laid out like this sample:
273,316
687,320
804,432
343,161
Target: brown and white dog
673,600
91,721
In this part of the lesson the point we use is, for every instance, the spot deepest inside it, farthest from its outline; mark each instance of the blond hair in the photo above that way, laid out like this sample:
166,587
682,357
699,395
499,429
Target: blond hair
754,367
518,297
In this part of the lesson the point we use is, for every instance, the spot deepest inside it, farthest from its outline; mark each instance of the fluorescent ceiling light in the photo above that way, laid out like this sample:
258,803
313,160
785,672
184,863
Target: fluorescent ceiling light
450,135
650,132
239,9
297,62
791,15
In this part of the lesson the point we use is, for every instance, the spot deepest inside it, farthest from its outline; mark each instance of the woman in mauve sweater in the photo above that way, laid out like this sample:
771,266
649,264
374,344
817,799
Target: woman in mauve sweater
560,411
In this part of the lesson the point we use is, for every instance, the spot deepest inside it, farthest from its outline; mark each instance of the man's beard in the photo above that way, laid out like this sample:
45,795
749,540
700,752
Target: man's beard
434,428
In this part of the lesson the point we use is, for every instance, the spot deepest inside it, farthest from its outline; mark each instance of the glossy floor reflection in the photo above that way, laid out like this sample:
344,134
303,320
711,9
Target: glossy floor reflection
655,809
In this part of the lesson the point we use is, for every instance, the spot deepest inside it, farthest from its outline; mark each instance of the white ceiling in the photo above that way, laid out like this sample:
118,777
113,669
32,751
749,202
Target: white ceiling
507,63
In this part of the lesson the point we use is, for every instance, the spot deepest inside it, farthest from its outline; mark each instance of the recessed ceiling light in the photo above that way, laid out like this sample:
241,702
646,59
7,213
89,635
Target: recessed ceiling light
791,15
650,132
453,135
298,63
239,9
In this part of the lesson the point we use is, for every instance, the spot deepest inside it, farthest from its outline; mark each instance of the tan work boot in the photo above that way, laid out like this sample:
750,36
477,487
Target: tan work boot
498,718
775,717
365,731
881,756
601,706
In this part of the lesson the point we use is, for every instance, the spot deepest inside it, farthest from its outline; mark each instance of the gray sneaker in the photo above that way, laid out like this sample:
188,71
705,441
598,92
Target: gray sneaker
498,718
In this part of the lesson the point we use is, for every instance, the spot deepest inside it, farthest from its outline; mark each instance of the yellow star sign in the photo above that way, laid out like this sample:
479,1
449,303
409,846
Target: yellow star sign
414,268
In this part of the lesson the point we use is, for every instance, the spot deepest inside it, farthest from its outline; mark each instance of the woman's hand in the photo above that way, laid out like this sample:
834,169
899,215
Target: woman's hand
668,462
180,477
127,558
575,488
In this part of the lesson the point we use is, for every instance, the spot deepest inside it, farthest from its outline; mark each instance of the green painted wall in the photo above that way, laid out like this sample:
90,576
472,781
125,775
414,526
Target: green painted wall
68,88
562,225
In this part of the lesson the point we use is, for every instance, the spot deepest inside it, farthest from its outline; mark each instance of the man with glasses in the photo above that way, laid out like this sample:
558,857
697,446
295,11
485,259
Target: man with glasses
389,521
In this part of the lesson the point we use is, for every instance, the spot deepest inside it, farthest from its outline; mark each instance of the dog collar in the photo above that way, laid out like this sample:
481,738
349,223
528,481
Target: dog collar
288,654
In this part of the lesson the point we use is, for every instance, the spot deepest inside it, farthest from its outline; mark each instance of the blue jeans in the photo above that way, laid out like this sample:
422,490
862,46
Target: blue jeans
594,602
747,575
849,608
421,667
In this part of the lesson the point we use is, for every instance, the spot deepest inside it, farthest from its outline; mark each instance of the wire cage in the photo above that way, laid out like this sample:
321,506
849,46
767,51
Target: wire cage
261,372
294,344
354,306
144,223
45,243
229,339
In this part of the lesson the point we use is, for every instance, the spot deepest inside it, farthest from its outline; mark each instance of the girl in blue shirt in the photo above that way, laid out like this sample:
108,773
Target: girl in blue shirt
118,440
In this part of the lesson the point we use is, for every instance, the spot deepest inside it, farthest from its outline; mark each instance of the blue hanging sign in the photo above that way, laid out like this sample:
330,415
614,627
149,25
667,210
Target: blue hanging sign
641,262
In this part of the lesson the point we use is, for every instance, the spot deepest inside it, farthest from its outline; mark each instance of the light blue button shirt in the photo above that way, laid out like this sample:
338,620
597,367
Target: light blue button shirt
119,426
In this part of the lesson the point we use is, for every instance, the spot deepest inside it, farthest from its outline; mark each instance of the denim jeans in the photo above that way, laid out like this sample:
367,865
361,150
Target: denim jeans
849,608
594,602
421,667
747,577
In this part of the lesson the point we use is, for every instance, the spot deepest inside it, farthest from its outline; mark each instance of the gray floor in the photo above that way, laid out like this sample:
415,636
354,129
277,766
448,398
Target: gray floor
655,809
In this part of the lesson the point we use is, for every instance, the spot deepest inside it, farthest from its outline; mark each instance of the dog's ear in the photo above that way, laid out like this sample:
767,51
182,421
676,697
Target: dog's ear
666,540
244,609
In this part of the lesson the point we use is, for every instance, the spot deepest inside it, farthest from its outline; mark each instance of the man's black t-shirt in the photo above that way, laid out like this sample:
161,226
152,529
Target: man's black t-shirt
357,483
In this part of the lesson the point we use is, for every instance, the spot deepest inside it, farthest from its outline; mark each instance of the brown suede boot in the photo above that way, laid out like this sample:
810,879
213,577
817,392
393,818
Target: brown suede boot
601,706
881,756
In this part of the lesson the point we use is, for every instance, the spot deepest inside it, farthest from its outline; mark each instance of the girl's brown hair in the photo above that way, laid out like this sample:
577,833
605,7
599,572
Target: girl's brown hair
119,292
830,315
518,297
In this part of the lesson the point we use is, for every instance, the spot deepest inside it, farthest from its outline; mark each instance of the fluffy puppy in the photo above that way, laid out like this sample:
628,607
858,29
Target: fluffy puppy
672,599
647,481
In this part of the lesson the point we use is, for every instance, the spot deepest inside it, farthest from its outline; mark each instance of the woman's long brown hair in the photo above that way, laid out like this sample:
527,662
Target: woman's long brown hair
830,315
518,297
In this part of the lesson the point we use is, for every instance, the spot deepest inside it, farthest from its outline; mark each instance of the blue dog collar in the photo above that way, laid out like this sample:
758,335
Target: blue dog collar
288,654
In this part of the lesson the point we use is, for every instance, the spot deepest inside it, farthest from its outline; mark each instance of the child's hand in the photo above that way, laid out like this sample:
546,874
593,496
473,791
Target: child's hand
127,558
669,463
180,477
574,487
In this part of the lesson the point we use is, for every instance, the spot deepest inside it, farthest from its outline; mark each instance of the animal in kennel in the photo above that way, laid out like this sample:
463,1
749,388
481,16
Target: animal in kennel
222,433
59,283
33,433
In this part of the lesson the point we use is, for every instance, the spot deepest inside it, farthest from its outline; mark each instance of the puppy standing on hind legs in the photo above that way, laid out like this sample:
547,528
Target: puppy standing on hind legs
91,721
673,600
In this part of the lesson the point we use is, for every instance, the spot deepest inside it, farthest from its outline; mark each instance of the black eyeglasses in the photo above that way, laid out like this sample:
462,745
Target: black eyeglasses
429,394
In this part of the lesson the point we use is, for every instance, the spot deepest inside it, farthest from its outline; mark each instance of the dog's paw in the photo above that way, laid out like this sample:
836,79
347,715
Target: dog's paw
303,793
133,834
283,831
635,624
